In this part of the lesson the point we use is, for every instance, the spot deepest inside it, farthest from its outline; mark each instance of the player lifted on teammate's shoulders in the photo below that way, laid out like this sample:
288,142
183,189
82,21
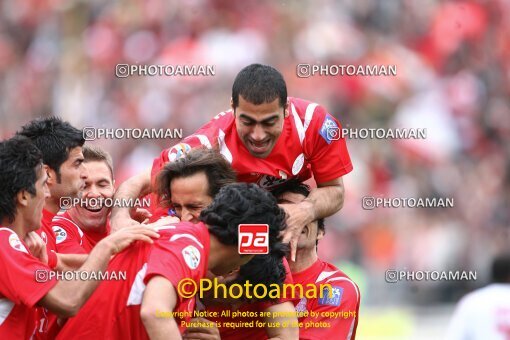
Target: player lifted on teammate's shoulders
268,138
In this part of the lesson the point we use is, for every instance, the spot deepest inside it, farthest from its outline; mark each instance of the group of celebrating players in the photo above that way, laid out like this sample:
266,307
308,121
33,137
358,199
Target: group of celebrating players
247,165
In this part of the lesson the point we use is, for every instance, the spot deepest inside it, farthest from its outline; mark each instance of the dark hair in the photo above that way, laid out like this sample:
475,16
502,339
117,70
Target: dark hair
259,84
217,169
297,187
244,203
263,269
501,268
55,138
20,162
96,154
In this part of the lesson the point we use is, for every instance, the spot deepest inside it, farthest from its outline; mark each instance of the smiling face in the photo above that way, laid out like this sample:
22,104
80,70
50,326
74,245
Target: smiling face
259,126
98,186
310,233
190,195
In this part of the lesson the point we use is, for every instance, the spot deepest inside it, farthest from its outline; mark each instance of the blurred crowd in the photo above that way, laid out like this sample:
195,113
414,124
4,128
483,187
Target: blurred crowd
453,78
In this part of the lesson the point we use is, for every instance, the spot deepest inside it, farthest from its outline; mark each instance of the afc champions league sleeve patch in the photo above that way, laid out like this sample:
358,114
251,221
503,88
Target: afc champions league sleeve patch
16,244
329,130
178,151
191,256
335,298
60,234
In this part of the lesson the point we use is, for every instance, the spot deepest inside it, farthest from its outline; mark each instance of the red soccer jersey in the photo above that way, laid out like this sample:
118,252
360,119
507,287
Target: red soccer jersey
113,311
71,239
23,282
47,326
345,301
45,231
309,144
230,333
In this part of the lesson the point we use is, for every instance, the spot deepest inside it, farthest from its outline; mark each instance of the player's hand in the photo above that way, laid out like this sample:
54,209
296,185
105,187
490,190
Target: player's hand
141,215
121,221
298,215
36,246
120,240
163,221
206,333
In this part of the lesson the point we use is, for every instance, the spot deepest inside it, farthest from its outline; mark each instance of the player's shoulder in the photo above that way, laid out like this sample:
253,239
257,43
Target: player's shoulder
335,277
5,232
9,240
184,231
63,224
305,109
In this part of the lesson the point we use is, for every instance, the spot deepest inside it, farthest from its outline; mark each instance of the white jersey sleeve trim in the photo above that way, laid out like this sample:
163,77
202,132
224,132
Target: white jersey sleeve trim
223,146
138,287
204,141
6,307
191,237
310,109
298,123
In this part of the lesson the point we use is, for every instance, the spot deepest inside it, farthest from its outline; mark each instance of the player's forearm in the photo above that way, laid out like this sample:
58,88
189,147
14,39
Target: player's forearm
136,186
325,201
68,262
67,297
161,328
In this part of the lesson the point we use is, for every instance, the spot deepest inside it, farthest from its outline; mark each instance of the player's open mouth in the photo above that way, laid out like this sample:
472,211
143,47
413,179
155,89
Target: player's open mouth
259,147
94,208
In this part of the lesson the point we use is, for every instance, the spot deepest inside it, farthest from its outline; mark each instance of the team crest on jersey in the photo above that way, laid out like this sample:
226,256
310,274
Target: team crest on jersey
298,164
191,256
329,130
178,151
334,300
60,234
15,243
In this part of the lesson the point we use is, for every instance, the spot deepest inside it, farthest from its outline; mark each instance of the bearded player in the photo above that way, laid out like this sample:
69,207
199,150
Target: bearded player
268,138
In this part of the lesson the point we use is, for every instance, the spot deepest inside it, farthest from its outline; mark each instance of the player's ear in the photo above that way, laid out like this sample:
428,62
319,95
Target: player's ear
320,234
286,109
232,105
22,198
52,175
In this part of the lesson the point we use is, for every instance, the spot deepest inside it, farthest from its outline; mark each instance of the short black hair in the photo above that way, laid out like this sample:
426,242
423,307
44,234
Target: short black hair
217,169
243,203
20,162
501,268
55,138
259,84
296,187
265,269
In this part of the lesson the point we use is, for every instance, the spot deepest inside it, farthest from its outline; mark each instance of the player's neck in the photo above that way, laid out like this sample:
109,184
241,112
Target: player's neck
19,226
76,218
304,259
52,205
221,255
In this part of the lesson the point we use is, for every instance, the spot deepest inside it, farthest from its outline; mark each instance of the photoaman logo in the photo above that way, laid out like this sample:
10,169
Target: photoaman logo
253,239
